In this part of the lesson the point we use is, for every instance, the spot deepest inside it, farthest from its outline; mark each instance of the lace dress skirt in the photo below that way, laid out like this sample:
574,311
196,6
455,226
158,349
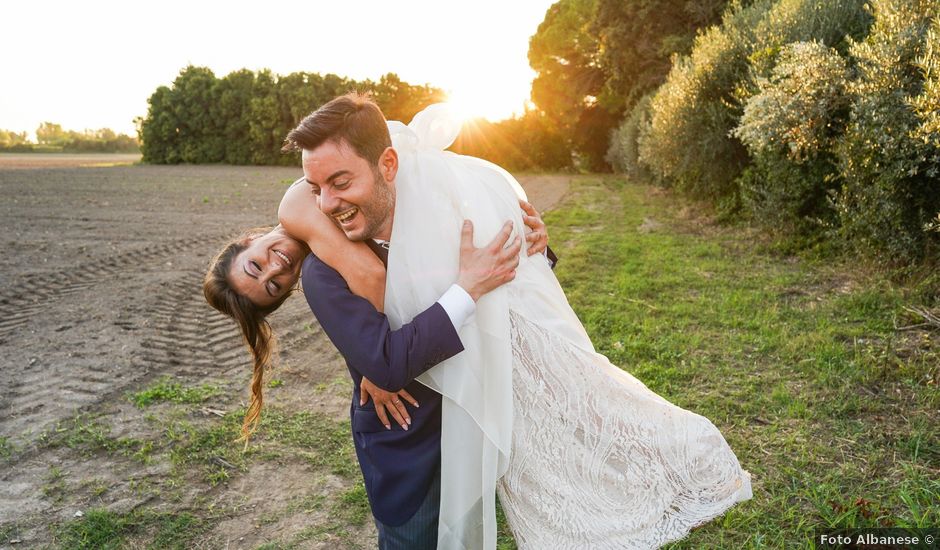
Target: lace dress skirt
600,461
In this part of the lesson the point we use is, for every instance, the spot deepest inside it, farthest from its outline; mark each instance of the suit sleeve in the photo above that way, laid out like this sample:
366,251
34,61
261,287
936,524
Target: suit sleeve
389,358
552,258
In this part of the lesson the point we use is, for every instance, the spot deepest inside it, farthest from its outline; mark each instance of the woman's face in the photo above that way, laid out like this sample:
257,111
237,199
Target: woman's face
268,268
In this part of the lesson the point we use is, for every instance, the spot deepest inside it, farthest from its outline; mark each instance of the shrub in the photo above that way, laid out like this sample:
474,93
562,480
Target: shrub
788,127
689,142
890,191
927,104
623,153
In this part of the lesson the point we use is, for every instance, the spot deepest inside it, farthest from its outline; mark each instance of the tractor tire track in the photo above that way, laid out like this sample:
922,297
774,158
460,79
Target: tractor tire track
31,294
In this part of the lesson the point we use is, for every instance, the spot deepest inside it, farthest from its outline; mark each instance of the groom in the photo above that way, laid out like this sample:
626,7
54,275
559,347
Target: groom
349,164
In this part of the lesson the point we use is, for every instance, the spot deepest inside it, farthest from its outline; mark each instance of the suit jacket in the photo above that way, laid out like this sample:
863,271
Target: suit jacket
397,465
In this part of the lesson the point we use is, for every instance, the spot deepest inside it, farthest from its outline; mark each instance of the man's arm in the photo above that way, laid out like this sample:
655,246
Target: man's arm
393,358
389,358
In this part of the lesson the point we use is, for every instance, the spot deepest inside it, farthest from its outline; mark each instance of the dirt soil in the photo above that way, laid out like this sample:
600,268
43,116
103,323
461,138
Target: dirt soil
100,296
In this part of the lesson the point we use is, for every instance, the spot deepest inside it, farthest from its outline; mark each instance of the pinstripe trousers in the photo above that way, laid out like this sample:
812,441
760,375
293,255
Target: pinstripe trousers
419,532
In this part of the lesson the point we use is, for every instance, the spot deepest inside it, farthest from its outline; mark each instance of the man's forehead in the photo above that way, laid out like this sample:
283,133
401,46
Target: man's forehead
329,151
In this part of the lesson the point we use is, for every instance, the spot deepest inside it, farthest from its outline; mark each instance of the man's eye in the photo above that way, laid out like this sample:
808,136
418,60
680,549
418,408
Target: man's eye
342,184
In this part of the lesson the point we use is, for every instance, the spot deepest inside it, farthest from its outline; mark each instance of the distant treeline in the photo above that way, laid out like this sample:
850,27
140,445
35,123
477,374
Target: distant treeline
52,138
820,121
243,118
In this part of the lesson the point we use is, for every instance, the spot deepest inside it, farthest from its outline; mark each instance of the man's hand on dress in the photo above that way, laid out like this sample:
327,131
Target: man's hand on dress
387,403
538,237
483,269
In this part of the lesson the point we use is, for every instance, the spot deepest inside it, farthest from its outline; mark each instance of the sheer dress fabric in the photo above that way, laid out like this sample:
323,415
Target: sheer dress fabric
583,454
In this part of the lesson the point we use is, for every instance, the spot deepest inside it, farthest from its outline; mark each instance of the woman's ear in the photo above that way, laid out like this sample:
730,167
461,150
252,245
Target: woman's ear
388,164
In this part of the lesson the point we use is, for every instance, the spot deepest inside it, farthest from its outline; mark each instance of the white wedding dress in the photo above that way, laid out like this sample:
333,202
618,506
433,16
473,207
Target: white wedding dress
583,455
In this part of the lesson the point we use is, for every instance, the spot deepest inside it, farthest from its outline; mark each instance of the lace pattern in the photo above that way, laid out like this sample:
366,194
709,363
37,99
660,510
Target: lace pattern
599,460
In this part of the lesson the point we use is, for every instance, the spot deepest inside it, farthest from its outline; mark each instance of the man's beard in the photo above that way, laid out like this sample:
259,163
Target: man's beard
378,209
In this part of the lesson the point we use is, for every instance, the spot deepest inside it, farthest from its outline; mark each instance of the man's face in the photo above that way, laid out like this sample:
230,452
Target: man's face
360,197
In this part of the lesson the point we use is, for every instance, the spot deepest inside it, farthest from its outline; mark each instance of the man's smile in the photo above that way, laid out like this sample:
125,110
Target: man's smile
345,216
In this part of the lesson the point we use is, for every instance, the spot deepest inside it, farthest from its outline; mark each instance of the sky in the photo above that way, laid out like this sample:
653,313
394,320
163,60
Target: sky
93,64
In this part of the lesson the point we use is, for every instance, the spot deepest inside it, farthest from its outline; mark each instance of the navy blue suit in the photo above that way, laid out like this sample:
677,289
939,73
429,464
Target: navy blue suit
398,466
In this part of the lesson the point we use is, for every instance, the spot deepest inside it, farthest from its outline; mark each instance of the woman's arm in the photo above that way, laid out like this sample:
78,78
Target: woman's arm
300,215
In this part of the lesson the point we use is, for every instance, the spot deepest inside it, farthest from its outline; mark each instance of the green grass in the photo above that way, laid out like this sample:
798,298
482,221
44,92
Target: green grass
166,390
6,447
797,361
100,529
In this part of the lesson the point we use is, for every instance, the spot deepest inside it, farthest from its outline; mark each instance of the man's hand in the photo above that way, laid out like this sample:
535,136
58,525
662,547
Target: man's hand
538,237
387,403
483,269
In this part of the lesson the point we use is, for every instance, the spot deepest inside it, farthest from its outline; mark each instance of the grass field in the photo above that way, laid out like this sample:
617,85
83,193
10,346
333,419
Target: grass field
798,361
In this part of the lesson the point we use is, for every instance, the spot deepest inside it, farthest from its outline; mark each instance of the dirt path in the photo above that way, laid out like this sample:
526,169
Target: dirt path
100,295
30,161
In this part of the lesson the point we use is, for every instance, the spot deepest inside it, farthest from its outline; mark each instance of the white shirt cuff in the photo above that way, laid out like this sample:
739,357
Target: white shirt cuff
458,305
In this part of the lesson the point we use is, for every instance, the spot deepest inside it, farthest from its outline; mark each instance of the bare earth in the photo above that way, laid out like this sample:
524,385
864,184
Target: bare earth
101,296
14,161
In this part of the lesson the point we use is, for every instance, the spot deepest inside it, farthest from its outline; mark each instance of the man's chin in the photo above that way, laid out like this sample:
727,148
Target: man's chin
356,235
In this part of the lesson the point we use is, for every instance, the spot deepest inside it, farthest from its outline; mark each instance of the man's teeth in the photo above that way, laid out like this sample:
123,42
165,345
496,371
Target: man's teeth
345,217
283,256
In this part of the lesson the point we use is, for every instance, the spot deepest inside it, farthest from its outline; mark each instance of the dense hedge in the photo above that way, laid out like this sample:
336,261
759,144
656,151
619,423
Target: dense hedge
816,119
244,117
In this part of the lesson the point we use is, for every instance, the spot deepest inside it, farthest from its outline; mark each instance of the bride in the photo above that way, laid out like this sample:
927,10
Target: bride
582,454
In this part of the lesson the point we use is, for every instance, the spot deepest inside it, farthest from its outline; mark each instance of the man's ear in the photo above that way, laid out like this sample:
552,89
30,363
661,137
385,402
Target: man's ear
388,164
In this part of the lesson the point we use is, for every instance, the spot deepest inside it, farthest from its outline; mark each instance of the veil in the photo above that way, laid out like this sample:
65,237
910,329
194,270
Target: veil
435,191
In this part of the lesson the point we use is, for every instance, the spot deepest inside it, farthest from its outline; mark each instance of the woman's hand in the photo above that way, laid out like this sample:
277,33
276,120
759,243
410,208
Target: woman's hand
387,403
538,237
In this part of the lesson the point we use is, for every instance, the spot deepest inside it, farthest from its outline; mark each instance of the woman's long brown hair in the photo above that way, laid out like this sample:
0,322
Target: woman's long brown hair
251,319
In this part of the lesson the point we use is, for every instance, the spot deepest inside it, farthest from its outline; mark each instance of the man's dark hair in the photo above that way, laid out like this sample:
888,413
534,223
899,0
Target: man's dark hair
352,118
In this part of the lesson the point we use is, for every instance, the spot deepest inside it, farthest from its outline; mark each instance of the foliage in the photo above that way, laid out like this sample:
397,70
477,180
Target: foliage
623,153
690,142
9,138
52,137
527,142
927,104
687,142
243,117
638,38
890,168
788,128
564,52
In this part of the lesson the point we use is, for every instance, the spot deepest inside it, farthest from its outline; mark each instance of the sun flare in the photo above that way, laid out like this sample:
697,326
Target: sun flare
479,104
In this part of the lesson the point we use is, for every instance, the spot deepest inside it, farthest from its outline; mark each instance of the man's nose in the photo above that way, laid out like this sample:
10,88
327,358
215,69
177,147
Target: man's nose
328,201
